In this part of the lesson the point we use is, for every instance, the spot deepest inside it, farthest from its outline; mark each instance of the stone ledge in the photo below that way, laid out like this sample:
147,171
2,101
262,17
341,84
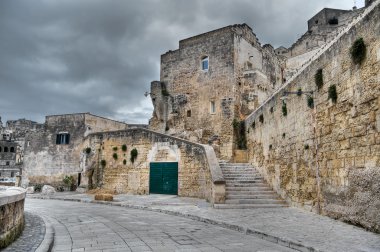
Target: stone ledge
12,194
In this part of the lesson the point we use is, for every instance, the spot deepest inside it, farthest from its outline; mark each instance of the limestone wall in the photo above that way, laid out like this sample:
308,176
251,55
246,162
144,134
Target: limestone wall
344,181
11,215
199,174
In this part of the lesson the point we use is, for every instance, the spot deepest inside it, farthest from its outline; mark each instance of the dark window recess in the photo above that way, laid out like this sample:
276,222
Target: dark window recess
189,113
63,138
12,149
0,149
5,149
7,163
12,174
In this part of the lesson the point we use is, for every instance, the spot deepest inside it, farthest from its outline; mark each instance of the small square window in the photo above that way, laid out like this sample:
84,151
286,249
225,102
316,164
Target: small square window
189,113
212,107
205,64
63,138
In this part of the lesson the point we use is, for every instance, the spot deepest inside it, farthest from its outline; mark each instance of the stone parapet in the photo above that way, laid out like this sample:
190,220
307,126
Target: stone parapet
11,214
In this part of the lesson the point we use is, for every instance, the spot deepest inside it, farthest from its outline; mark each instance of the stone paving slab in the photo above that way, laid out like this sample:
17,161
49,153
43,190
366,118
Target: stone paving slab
290,227
31,237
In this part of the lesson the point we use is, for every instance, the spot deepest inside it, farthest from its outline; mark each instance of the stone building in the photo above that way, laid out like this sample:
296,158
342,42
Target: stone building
55,150
10,161
211,80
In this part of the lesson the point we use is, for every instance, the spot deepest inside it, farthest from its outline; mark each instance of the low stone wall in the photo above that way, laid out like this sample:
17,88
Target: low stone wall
199,174
334,169
11,214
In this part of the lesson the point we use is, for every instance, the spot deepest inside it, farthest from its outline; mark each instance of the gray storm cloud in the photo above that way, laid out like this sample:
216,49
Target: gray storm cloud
100,56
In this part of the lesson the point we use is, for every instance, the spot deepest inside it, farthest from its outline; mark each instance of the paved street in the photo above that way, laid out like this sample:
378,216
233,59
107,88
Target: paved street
93,227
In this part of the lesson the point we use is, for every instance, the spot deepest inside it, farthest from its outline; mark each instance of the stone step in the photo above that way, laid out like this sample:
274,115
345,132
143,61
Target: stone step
253,185
249,189
246,206
249,193
248,181
240,172
255,175
254,201
252,196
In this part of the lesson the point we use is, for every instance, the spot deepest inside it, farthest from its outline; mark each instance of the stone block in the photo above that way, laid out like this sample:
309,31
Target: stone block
48,190
30,190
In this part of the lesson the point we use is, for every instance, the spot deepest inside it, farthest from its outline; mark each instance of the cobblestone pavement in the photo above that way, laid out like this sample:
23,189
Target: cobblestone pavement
31,237
92,227
287,224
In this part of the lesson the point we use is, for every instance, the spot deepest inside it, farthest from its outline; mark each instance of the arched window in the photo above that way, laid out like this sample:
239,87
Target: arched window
12,149
5,149
205,63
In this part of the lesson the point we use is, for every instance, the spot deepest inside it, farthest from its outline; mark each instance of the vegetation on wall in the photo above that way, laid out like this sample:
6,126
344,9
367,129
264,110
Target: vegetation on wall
299,92
134,154
103,162
69,182
261,118
310,102
284,109
253,125
318,77
239,132
114,148
114,156
333,95
306,146
87,150
124,162
124,147
271,109
358,51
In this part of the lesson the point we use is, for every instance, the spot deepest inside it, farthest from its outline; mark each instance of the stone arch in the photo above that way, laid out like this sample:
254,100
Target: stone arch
164,152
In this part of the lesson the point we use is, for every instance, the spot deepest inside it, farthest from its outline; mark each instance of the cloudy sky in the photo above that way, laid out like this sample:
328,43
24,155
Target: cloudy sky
99,56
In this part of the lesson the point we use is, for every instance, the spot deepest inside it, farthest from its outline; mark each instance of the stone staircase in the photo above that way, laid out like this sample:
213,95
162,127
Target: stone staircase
246,188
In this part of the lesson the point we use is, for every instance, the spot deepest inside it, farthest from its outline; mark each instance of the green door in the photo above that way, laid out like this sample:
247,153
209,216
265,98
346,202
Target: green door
163,178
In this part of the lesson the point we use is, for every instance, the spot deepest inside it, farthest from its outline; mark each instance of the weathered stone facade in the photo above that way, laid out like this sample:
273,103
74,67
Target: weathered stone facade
199,174
336,169
200,104
56,150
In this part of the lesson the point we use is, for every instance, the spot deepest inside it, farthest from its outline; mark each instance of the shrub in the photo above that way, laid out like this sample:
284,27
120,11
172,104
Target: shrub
60,189
165,92
124,162
114,156
114,148
134,154
87,150
69,182
318,77
124,147
333,94
284,109
104,197
38,187
253,125
235,123
299,92
310,102
358,51
261,118
103,162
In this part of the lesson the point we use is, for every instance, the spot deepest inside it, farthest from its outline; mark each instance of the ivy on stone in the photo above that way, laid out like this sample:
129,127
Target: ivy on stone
318,77
333,95
358,51
134,154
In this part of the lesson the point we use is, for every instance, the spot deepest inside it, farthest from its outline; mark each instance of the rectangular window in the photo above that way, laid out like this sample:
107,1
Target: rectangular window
212,107
63,138
205,64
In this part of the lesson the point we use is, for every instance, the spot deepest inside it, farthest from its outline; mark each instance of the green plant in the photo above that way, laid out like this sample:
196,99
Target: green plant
38,187
310,102
333,95
124,162
87,150
114,156
284,109
358,51
124,147
306,146
69,182
103,162
235,123
114,148
318,77
165,92
240,135
253,125
299,92
134,154
261,118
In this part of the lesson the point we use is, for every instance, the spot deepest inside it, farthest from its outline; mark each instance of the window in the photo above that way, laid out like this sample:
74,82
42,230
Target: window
7,163
12,174
205,63
63,138
212,107
5,149
0,149
12,149
189,113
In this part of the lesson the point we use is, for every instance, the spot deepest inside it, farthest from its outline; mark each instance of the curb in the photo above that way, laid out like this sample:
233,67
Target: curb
248,231
48,241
